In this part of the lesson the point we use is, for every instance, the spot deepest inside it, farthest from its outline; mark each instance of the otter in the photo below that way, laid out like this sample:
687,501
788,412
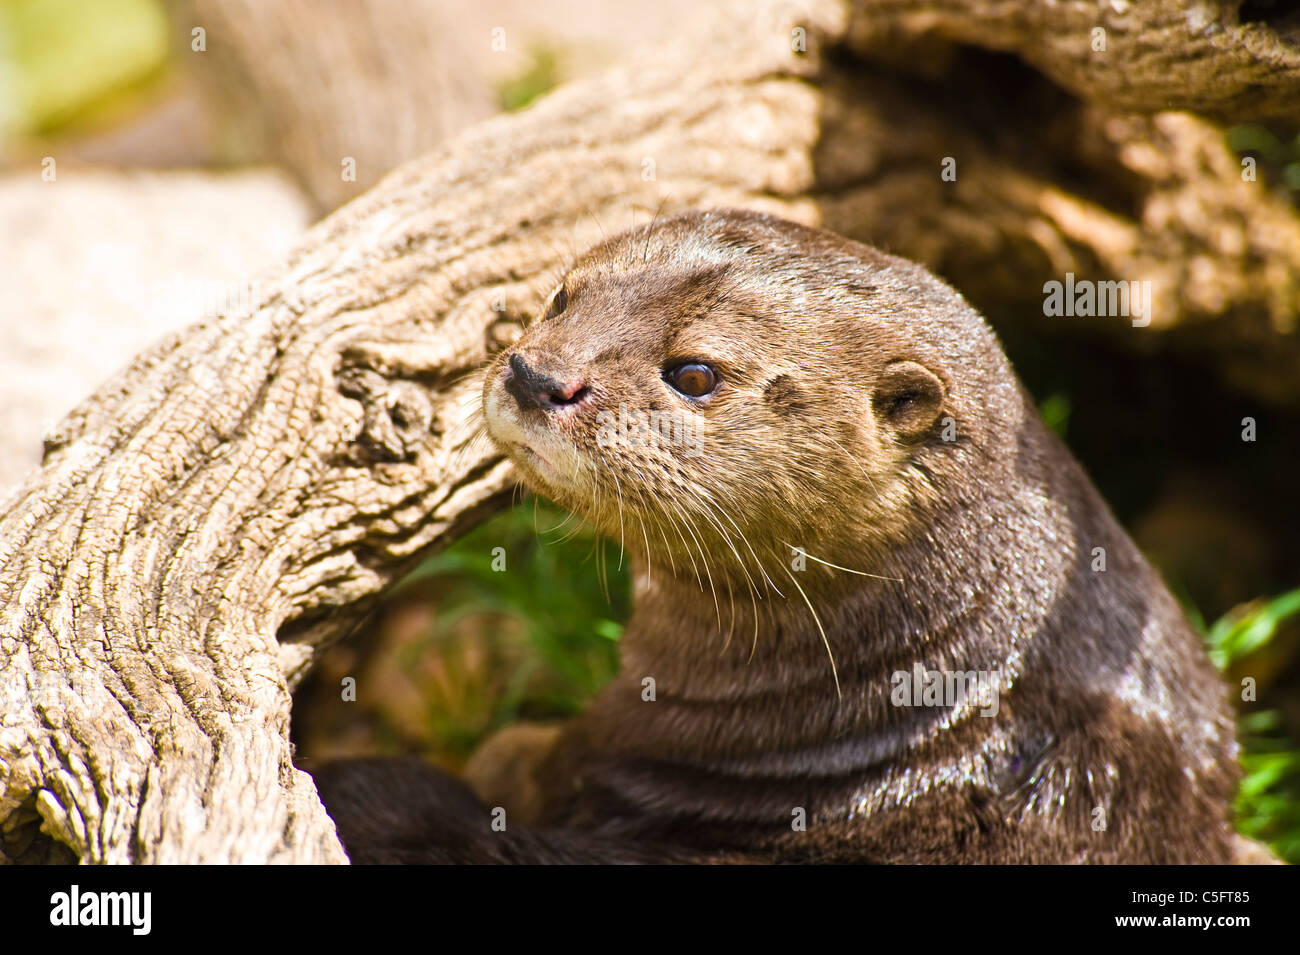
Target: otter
880,612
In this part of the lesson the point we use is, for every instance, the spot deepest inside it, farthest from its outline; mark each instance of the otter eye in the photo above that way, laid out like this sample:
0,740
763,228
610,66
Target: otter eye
559,302
693,379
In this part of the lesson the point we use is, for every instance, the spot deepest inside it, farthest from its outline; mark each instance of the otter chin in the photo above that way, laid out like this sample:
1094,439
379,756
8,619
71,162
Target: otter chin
880,612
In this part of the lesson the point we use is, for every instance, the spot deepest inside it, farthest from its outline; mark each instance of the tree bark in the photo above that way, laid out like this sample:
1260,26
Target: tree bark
1227,59
229,504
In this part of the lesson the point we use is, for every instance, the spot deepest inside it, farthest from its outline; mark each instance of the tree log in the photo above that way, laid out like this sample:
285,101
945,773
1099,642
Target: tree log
230,503
1227,59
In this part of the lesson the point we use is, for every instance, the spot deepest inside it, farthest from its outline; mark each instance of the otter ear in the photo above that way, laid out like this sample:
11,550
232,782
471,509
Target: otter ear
908,397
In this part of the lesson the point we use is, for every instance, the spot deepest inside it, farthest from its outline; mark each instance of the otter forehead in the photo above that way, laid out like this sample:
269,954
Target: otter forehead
656,315
709,258
703,276
776,256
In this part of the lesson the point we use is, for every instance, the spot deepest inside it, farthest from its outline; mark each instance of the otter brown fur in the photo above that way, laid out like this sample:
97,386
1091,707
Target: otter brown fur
865,490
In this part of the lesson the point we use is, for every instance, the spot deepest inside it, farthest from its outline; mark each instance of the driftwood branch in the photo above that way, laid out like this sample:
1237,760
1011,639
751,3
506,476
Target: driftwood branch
228,505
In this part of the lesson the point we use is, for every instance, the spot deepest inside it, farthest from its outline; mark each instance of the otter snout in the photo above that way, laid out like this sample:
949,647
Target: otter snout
534,386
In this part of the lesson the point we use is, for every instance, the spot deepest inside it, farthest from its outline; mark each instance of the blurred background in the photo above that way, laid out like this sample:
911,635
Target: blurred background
149,167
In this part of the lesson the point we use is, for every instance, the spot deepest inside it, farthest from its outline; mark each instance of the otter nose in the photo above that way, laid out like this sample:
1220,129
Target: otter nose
533,388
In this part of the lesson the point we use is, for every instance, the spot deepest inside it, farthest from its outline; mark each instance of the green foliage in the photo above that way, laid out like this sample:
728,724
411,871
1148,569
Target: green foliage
1235,636
1268,804
1055,410
1279,151
562,586
542,76
64,59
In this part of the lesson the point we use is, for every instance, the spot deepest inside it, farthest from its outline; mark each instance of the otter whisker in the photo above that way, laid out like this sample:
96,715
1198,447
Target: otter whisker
461,451
464,376
641,513
769,585
600,541
618,488
711,509
602,569
649,562
753,591
578,526
749,580
649,233
650,506
847,570
691,529
709,512
672,563
820,629
753,644
761,569
685,547
568,519
854,459
570,535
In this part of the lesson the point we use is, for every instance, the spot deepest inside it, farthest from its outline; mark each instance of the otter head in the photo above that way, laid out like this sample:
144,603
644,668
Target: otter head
729,386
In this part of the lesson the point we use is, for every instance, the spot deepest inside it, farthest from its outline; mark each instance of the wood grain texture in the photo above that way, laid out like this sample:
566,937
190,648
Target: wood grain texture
1226,59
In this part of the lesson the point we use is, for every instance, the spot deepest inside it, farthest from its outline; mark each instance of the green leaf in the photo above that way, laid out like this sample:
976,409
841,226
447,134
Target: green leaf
1231,638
